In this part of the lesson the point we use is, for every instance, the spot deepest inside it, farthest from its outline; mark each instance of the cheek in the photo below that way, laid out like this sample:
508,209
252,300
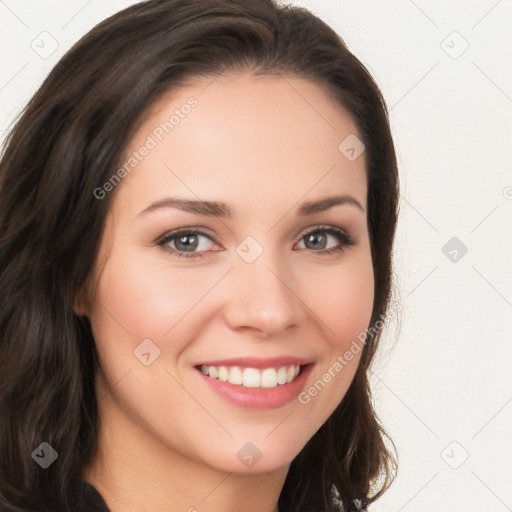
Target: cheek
136,302
353,307
147,300
345,308
345,302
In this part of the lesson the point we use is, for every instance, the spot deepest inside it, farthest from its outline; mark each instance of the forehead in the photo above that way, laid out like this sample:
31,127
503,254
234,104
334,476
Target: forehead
243,139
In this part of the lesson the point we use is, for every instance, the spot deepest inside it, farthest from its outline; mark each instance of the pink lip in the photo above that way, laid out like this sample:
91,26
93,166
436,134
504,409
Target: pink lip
257,398
257,362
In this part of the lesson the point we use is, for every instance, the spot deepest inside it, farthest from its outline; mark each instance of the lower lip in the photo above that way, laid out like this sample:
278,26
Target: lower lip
259,398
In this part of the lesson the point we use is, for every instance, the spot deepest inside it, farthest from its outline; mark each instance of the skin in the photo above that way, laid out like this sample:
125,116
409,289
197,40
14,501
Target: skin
263,145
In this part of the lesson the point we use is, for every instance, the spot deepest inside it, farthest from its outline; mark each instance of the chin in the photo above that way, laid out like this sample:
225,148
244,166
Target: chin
257,455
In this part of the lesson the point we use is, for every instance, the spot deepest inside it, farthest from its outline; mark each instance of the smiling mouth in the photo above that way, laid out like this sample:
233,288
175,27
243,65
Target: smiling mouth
264,378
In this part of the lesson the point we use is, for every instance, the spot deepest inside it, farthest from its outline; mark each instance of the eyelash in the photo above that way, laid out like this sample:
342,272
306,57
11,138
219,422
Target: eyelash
345,239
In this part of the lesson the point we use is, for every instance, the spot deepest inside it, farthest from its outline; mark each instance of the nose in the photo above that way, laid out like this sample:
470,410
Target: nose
261,298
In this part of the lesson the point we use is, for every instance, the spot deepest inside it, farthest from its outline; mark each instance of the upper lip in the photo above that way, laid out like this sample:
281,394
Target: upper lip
258,362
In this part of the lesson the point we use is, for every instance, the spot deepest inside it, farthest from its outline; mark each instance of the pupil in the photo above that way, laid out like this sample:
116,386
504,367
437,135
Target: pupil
316,238
187,245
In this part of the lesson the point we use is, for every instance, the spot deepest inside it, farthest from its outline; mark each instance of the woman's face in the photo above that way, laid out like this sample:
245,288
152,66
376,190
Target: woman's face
275,286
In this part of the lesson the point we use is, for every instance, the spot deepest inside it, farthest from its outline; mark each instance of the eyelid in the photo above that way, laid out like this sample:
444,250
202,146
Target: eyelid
185,230
324,227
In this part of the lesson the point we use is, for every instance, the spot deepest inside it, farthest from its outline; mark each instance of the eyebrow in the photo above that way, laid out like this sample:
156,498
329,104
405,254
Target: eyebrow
220,209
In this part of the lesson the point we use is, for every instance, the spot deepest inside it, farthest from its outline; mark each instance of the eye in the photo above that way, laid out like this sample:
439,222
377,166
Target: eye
188,243
319,239
191,243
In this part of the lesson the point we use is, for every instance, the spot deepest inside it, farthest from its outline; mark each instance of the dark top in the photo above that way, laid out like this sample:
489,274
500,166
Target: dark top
94,502
97,504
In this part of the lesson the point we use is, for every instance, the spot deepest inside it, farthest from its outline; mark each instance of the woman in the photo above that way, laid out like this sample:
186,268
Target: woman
198,211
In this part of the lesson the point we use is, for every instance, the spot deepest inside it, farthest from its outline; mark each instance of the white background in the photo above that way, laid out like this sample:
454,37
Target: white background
443,384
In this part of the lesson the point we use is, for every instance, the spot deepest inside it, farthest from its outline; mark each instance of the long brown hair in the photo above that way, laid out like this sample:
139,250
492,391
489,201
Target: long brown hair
65,145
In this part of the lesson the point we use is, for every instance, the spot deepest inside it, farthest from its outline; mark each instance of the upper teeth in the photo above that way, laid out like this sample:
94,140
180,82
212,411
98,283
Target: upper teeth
252,377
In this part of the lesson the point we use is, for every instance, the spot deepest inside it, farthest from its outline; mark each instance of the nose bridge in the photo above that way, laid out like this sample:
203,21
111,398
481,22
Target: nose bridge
260,294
